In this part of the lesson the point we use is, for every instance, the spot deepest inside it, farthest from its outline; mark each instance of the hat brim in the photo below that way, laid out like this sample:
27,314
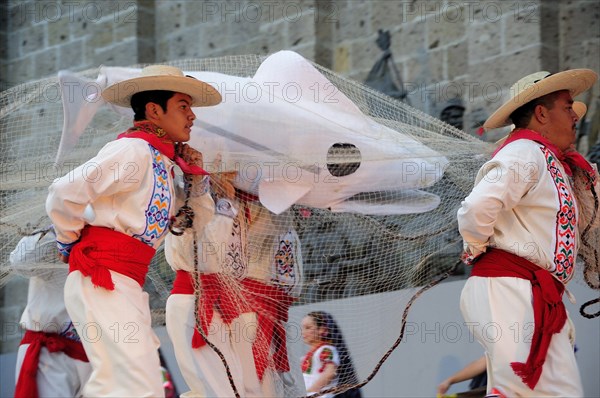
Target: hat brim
576,81
578,107
203,94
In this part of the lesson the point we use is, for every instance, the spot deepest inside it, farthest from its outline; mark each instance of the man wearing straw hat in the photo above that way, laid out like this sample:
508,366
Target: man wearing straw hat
129,187
521,225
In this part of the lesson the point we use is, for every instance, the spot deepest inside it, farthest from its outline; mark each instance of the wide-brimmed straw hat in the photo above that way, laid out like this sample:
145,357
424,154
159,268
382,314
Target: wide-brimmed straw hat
162,77
537,85
578,107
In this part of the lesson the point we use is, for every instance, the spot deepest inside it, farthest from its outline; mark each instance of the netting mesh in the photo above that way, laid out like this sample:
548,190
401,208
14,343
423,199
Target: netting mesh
366,188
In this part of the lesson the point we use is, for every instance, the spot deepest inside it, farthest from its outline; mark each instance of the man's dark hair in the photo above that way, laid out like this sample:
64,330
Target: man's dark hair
139,101
521,116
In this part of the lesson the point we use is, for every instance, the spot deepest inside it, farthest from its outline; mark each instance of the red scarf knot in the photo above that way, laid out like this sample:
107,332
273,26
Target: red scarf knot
100,250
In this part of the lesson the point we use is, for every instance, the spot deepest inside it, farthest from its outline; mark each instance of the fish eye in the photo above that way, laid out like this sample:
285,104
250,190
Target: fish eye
343,159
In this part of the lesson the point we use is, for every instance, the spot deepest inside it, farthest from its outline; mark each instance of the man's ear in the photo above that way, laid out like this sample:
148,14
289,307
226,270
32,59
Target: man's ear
540,112
151,111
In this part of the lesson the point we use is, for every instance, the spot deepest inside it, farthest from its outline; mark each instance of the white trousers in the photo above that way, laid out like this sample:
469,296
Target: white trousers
58,374
499,312
116,332
202,369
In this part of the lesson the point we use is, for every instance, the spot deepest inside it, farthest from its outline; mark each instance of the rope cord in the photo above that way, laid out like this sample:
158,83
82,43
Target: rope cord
587,272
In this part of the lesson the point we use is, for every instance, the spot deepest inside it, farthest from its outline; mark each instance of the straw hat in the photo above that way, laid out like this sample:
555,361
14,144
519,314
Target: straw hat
162,77
578,107
537,85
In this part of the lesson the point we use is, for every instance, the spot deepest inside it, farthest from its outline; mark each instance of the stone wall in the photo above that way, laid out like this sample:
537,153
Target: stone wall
42,37
579,47
212,29
472,50
442,49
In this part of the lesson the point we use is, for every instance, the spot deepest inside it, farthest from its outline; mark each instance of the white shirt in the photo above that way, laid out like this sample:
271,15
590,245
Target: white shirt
129,186
523,203
34,257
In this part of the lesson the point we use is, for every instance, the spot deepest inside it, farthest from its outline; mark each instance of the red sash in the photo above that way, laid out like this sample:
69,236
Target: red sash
27,383
271,305
182,283
102,249
549,312
214,292
268,302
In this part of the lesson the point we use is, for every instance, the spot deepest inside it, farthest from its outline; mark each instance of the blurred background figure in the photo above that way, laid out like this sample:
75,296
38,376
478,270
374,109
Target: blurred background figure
327,364
51,361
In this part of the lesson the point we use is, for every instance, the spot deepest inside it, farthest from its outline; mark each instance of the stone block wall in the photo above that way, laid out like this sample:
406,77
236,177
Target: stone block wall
579,47
442,49
446,49
41,37
217,28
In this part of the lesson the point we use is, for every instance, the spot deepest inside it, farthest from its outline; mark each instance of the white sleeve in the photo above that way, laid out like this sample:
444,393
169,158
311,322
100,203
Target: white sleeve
179,249
101,176
500,185
35,255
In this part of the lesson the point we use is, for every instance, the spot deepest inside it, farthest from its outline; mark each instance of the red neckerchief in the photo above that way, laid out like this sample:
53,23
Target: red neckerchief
549,313
569,159
26,383
147,131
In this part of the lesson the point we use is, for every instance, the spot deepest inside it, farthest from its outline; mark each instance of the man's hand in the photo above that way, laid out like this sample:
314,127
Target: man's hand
222,184
443,387
190,155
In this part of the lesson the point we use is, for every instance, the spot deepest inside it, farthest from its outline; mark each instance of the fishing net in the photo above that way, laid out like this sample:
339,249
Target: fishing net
343,195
